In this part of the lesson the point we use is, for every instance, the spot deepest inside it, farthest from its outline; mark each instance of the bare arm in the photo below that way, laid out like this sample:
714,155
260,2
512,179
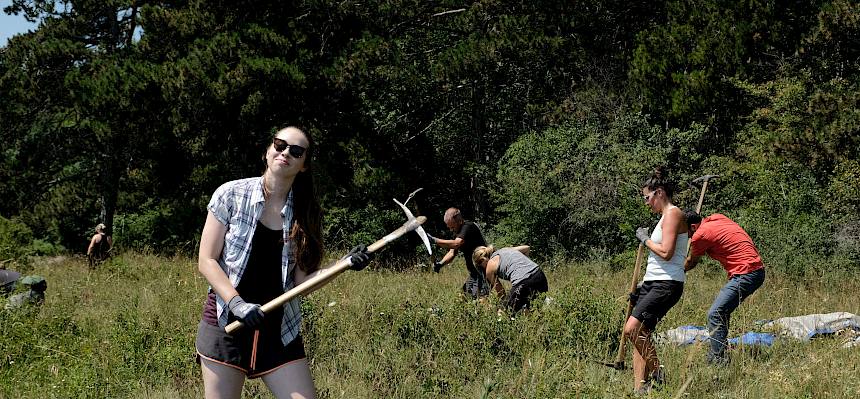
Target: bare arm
300,276
691,262
671,225
211,245
449,256
492,267
456,243
95,240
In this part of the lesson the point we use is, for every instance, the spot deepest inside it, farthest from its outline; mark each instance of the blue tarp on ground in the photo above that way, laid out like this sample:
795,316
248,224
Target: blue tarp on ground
753,338
802,328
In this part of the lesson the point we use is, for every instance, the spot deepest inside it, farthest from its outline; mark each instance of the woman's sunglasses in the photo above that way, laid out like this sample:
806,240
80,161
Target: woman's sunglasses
296,151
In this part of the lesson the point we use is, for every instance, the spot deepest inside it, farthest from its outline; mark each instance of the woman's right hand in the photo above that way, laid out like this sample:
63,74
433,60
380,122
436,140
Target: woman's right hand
250,314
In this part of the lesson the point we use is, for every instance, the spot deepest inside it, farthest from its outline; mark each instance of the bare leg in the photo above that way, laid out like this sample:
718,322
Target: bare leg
292,381
220,381
645,359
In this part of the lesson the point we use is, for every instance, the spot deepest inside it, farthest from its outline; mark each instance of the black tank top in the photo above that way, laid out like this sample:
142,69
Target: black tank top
262,280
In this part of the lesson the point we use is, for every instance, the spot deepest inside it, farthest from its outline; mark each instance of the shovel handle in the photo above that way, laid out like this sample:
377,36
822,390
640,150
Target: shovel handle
326,275
622,345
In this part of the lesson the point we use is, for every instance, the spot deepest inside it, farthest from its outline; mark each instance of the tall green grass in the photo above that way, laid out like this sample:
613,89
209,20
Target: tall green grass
127,329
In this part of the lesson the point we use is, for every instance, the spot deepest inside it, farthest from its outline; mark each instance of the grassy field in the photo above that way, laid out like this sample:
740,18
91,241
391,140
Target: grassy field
127,330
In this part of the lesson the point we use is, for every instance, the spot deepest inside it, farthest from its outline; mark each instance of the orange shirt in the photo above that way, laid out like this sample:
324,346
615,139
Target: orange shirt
723,240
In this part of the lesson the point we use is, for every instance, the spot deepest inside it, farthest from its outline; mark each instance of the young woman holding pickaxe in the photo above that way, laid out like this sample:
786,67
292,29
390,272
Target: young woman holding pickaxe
663,283
262,237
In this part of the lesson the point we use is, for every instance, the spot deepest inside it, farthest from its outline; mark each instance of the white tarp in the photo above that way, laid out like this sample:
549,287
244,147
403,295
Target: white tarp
802,328
808,326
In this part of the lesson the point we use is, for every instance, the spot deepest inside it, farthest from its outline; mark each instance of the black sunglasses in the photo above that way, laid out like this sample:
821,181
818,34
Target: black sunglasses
296,151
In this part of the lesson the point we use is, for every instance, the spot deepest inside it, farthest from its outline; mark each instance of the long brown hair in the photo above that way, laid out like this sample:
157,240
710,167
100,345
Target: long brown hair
306,232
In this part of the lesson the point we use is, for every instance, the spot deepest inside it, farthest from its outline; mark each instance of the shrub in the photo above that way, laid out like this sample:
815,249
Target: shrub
575,188
15,239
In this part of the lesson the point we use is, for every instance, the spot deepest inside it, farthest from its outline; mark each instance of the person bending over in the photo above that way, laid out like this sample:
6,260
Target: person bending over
511,264
467,237
725,241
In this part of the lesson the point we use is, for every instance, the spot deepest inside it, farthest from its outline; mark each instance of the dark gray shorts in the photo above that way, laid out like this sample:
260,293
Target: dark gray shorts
254,352
655,300
476,286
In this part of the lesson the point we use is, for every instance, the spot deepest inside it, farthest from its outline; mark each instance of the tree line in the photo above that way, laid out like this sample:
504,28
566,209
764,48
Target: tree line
538,119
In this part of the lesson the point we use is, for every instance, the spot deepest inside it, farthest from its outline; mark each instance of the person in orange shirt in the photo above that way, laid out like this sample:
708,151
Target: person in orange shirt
726,242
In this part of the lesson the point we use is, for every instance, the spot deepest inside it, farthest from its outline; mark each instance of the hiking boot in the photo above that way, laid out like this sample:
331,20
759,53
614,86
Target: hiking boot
643,390
658,377
718,361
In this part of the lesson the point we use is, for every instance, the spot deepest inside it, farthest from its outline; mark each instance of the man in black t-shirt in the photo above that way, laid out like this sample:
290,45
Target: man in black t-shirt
467,237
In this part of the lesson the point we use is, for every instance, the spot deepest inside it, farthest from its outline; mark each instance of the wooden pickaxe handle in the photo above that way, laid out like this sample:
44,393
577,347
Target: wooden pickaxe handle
328,274
622,345
704,179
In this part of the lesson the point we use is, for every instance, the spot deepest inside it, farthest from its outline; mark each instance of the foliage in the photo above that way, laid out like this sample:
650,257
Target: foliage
575,188
15,238
140,109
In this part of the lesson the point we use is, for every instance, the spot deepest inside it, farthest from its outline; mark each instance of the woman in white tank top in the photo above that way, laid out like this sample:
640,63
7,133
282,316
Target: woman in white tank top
663,283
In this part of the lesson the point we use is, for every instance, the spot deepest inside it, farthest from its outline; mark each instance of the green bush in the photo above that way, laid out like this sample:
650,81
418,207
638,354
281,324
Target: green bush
41,247
162,227
15,240
574,189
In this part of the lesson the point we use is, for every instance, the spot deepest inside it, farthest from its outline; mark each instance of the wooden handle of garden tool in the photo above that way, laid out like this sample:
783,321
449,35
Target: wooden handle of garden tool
622,346
328,274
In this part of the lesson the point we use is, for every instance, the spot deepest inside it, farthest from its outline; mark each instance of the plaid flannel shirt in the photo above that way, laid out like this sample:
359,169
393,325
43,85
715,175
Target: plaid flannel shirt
239,205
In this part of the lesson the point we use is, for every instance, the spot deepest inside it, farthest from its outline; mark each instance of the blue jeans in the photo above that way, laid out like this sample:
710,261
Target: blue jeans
730,297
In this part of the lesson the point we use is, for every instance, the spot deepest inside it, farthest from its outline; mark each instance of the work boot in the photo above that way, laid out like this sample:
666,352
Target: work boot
657,378
717,360
643,390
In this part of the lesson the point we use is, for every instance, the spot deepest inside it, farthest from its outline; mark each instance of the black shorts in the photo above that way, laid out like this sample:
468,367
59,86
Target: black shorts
252,351
522,294
655,298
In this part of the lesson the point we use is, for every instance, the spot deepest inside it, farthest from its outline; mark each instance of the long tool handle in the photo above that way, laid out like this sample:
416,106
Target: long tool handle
699,211
328,274
622,346
702,197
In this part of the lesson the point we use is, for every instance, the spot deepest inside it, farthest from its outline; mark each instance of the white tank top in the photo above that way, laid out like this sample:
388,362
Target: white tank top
672,269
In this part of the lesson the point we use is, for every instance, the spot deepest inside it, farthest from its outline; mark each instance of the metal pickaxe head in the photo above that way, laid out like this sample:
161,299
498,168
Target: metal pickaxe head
419,230
704,179
412,194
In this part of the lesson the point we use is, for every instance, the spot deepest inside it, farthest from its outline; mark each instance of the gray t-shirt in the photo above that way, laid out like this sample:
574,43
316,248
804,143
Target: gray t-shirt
514,266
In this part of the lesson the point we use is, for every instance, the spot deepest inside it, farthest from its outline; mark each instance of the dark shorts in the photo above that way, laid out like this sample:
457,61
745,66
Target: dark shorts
476,286
655,300
522,294
252,351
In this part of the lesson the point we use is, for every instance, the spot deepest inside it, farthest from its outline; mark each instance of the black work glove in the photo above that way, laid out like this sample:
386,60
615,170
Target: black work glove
360,257
437,266
642,234
249,314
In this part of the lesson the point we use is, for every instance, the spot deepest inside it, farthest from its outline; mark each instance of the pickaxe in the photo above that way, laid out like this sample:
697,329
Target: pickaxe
622,343
419,230
704,180
328,274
